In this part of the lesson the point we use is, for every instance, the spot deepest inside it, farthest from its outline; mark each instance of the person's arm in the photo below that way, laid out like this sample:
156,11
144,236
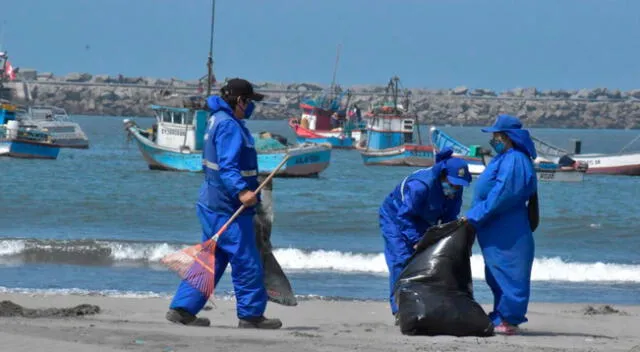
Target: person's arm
415,193
453,210
228,148
507,192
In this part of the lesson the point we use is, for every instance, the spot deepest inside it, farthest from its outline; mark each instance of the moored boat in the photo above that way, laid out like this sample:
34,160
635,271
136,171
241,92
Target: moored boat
390,135
175,143
598,163
478,158
324,120
19,142
56,122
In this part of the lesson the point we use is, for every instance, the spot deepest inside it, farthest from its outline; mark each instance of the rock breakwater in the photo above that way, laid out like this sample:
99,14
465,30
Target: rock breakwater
86,94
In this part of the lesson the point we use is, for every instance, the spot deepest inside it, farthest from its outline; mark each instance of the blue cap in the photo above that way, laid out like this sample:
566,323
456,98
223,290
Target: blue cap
504,123
457,171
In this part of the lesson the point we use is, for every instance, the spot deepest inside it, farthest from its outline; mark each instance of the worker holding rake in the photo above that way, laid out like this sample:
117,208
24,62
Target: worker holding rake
230,167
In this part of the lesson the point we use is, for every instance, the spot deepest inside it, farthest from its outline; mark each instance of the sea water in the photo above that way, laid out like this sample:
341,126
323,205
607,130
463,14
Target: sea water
97,221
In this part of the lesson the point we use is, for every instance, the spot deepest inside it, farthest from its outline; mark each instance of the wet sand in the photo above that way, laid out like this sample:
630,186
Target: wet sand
138,324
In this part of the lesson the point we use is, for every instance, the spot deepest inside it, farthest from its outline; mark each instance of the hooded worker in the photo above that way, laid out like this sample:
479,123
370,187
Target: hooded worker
230,166
500,218
420,201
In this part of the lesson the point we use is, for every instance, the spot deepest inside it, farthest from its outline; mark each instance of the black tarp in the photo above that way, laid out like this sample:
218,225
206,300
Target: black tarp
434,292
275,281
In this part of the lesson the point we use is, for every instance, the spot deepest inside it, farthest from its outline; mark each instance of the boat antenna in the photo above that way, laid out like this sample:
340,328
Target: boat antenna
210,59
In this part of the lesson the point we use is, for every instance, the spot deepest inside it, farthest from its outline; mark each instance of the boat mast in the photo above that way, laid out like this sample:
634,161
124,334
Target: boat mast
210,59
333,90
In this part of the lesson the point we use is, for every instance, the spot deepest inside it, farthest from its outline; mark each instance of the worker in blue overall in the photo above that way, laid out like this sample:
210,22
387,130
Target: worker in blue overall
230,166
421,200
499,215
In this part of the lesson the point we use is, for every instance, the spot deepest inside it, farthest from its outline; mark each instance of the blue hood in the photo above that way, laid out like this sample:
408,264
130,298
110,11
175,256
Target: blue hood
216,104
512,127
522,141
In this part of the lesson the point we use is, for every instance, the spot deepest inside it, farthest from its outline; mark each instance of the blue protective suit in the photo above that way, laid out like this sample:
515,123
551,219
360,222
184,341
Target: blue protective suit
414,205
499,216
230,165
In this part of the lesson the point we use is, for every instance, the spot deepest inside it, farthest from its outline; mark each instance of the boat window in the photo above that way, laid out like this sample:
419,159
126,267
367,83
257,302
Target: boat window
166,116
188,118
178,117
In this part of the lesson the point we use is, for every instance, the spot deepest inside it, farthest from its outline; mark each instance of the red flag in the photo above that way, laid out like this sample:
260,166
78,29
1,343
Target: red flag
8,69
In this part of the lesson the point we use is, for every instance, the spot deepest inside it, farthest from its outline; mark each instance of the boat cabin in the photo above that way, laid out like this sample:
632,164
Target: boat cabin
318,114
390,131
179,128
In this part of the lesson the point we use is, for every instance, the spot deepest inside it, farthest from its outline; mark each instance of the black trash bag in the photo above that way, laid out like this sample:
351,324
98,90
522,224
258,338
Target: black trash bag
275,281
435,291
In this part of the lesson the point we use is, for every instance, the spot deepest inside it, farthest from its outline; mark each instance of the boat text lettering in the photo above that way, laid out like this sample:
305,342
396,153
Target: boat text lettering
172,131
547,175
307,159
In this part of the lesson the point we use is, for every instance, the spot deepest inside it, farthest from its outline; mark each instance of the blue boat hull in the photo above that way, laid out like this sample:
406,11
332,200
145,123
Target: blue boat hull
406,155
335,142
33,150
305,161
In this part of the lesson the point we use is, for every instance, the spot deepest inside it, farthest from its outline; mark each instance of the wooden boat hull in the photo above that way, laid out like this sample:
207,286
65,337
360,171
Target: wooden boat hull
404,155
307,160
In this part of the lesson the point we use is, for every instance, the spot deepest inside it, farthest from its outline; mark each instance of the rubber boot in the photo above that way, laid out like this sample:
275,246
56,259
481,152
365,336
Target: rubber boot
259,323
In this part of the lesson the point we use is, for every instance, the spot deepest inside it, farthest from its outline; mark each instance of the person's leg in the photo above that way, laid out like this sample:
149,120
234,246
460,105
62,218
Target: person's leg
188,301
510,271
396,253
247,276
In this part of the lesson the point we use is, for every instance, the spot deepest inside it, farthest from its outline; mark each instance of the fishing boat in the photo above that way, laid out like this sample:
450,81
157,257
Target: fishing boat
175,143
390,134
621,163
325,120
56,122
478,158
19,142
471,154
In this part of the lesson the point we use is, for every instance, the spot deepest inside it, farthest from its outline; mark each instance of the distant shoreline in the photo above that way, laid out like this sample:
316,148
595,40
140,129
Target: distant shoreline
85,94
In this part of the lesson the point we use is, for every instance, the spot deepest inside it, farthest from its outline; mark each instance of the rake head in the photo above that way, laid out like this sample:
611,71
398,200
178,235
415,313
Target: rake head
195,265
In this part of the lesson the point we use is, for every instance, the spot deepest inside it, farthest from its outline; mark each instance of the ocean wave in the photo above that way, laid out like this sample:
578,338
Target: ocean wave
104,252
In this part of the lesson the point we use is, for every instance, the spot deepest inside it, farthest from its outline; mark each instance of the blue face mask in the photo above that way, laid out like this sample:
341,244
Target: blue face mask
497,145
448,190
249,110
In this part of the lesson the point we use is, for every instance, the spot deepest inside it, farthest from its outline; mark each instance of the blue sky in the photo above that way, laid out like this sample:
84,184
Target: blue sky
496,44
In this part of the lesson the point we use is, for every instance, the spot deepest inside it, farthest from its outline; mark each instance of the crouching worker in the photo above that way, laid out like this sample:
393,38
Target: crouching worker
230,168
417,203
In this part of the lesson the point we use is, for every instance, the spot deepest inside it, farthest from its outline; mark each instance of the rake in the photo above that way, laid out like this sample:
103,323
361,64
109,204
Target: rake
195,264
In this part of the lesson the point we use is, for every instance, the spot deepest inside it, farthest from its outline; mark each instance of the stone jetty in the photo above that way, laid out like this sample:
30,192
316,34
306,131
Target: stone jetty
87,94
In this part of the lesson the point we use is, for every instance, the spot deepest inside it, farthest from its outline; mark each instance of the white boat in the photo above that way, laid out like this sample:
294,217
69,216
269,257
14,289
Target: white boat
611,164
56,122
547,168
175,143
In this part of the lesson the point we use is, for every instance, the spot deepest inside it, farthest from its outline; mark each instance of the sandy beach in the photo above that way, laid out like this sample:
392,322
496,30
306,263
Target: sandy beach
138,324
